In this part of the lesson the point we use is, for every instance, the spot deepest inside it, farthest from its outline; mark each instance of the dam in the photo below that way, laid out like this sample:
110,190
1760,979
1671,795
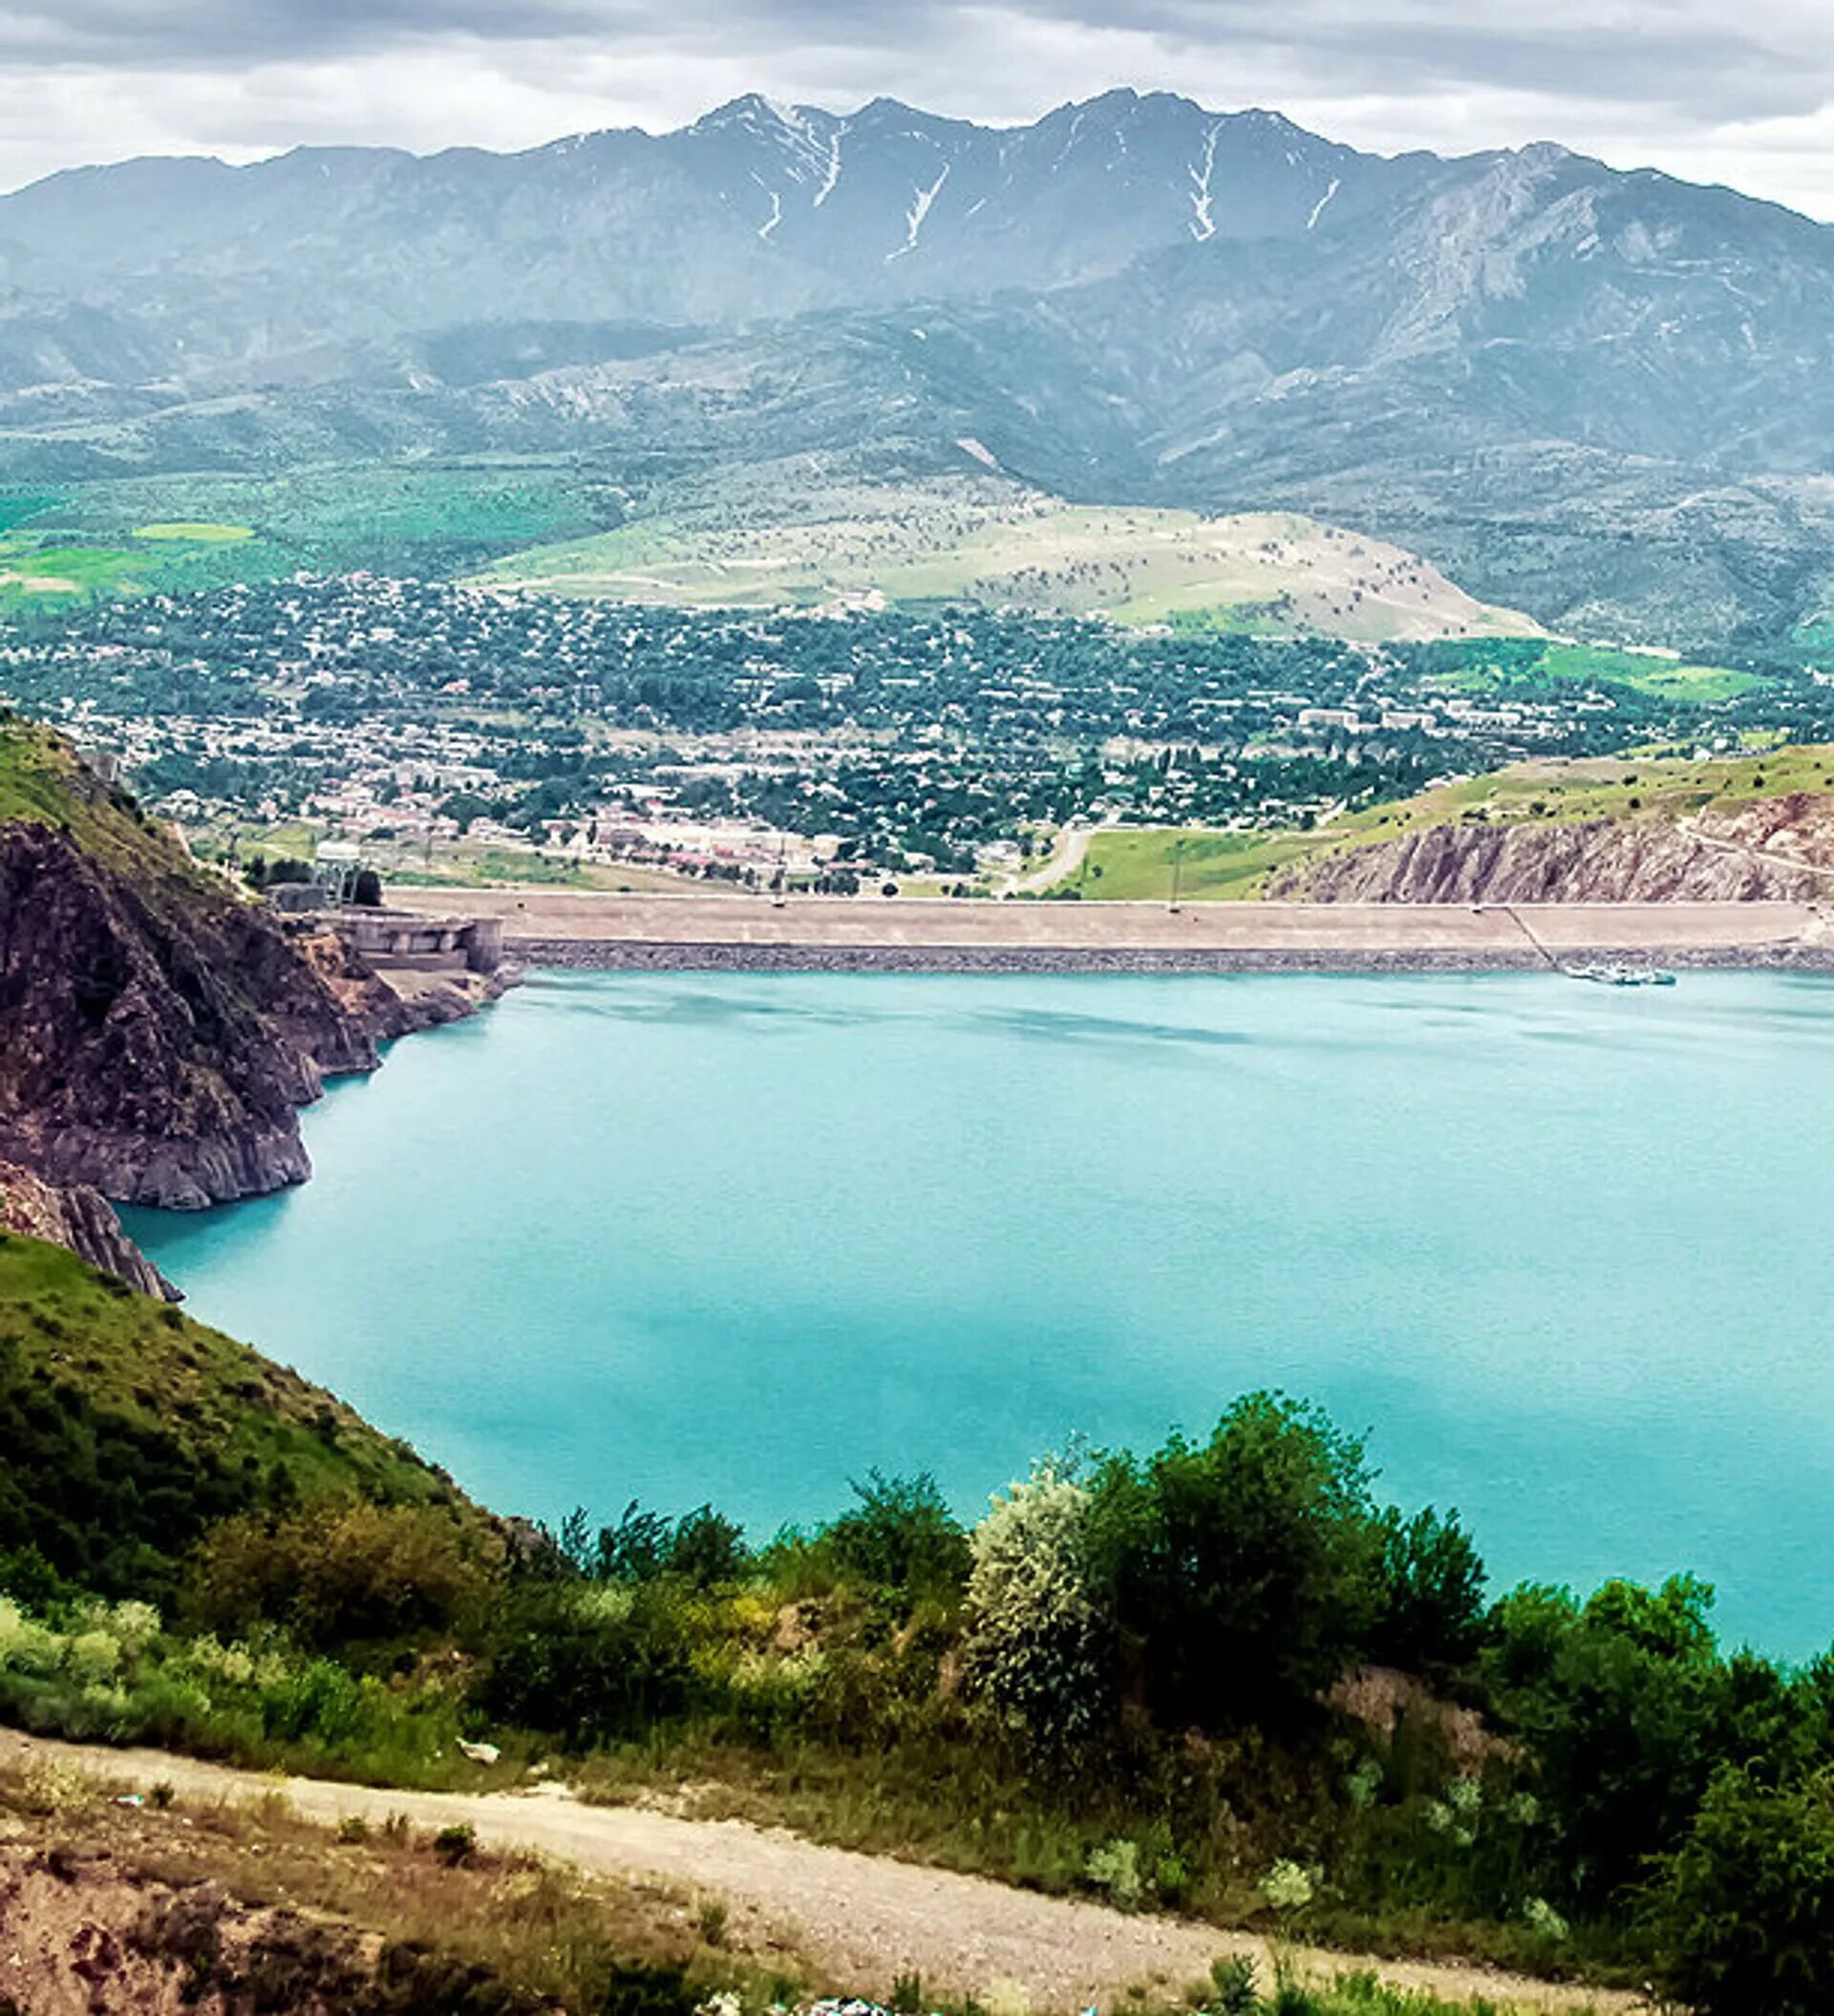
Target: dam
588,930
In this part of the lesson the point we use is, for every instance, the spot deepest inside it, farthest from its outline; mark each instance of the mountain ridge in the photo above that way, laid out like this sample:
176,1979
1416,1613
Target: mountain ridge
1604,397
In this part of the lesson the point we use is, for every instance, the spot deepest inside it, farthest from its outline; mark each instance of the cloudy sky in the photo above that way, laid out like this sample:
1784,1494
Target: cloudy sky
1741,93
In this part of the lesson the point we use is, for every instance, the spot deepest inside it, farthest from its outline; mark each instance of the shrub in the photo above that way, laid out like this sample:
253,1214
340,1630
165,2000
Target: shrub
1745,1907
1114,1867
341,1575
1038,1641
321,1700
1232,1981
588,1665
1287,1887
708,1549
648,1991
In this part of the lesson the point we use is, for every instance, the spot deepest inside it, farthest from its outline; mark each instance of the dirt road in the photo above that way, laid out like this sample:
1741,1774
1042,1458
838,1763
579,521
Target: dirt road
863,1919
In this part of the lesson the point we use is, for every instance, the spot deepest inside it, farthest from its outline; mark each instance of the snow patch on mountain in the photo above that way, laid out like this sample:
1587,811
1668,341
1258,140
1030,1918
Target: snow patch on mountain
922,199
831,176
1204,217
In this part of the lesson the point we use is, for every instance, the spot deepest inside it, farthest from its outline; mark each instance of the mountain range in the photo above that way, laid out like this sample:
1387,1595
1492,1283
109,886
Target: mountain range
1604,397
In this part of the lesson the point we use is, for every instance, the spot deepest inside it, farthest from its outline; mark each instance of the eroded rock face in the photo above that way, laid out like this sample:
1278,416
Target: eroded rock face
81,1218
1596,860
156,1036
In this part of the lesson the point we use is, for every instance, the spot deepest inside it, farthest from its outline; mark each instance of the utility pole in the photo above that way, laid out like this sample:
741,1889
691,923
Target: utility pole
1178,861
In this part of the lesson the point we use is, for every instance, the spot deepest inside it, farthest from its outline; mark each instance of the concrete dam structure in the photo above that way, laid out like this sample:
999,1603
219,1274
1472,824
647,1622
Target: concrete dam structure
407,942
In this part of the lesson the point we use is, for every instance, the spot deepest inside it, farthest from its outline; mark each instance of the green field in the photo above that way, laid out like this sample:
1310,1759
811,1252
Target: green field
1123,865
1494,666
1136,866
981,540
180,532
195,532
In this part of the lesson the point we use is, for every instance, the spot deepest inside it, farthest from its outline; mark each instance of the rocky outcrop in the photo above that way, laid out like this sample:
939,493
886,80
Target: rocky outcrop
392,1004
81,1218
1591,861
158,1034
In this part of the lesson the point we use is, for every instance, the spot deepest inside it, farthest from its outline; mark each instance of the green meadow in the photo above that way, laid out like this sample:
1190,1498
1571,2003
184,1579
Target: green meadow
1492,666
128,535
195,532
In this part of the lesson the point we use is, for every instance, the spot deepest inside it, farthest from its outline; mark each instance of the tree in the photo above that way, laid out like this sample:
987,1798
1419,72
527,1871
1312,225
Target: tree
1433,1610
902,1537
1244,1572
703,1547
1744,1909
1628,1708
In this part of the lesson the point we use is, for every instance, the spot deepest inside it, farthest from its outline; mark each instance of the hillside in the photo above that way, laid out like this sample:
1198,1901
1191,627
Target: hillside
805,540
129,1428
156,1033
1633,829
1562,384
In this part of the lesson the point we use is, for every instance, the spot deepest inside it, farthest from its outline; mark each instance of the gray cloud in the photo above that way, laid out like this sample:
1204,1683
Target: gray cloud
1745,96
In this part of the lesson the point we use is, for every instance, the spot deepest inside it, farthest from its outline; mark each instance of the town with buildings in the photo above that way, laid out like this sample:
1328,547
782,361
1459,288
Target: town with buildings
468,733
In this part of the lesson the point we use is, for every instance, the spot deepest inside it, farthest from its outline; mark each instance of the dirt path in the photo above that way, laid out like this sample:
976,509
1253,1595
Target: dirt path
864,1919
1063,860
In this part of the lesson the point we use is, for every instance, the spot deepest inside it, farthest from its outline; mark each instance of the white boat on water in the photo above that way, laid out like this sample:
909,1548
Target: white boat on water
1618,973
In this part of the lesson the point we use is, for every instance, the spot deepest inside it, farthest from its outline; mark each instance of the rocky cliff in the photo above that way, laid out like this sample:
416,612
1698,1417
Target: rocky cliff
1765,852
83,1220
156,1033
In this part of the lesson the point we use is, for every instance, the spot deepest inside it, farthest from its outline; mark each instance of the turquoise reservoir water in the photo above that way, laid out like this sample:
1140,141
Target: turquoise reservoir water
1563,1251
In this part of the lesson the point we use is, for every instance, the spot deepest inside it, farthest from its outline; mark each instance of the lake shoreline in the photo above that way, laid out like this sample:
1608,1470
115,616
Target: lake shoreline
681,1235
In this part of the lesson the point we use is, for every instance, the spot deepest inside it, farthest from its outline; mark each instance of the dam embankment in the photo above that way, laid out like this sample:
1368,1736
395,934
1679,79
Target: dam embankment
587,930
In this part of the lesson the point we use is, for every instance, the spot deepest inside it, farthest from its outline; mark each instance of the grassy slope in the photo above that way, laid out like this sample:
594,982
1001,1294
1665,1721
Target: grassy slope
993,542
177,532
141,1362
42,782
129,1430
1219,867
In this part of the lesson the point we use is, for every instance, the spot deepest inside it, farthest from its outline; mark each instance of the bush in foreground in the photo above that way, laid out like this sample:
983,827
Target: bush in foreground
1746,1907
